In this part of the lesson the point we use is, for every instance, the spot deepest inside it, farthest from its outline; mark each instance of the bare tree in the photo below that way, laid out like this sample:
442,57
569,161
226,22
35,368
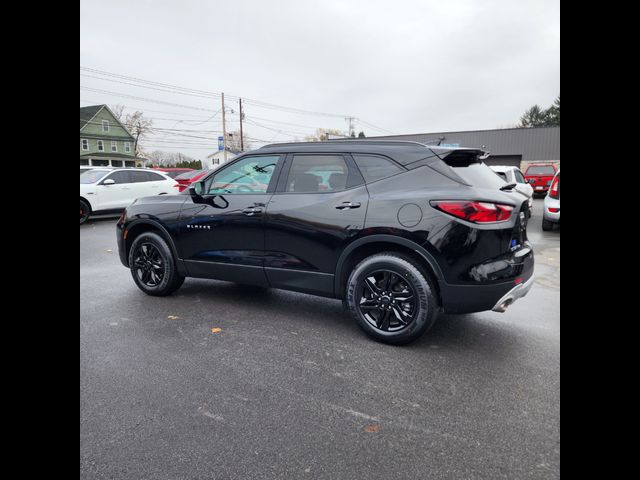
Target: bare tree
118,111
233,141
322,134
140,127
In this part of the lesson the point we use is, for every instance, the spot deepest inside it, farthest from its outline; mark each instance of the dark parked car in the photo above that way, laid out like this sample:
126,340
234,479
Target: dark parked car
398,230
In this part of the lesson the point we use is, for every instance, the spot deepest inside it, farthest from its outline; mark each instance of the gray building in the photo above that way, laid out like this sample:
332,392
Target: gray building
508,146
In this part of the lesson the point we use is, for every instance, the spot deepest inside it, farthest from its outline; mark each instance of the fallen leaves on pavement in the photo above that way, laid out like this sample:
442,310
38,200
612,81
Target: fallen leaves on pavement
374,428
216,330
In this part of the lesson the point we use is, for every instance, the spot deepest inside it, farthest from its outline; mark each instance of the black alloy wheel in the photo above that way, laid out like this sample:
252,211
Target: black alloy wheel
153,266
387,301
391,297
148,265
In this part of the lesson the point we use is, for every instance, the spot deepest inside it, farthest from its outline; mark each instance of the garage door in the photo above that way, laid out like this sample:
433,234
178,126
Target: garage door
509,160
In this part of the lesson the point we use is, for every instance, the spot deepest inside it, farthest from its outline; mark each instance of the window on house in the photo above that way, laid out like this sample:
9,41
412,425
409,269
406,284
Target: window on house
114,146
127,147
116,163
105,125
100,146
85,144
99,163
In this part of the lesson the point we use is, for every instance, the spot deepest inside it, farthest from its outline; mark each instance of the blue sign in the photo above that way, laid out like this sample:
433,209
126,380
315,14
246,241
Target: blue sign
220,143
450,145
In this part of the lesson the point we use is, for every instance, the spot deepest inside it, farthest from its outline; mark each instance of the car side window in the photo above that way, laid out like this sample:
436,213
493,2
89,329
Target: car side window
519,176
119,177
317,174
138,177
374,168
153,177
251,175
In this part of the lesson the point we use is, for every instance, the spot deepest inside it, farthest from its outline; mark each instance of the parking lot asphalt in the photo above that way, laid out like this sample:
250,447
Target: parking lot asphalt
289,387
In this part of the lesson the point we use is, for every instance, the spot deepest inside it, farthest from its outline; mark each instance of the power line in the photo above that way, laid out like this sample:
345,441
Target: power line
205,93
169,88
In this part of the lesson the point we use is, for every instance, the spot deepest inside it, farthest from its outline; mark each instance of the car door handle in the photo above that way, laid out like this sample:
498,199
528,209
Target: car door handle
251,210
345,205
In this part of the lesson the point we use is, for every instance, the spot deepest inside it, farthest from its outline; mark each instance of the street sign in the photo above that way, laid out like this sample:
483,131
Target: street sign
220,143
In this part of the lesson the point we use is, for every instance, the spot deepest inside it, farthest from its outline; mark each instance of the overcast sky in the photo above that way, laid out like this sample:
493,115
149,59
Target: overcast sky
400,66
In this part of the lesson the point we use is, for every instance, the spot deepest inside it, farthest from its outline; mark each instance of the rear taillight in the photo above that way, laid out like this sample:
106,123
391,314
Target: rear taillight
553,210
476,212
554,191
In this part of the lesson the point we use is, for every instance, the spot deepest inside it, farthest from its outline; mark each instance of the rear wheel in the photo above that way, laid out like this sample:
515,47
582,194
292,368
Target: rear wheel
152,265
391,299
547,225
85,211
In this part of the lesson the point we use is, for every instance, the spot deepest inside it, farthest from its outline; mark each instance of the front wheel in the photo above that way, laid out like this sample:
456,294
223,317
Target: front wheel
85,211
152,265
391,299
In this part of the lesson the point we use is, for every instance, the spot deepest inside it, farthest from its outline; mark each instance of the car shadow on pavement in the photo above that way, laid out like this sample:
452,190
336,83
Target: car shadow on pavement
475,334
288,310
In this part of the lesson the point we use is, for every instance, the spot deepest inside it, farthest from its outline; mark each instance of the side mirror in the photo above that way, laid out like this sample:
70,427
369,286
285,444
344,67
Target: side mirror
109,181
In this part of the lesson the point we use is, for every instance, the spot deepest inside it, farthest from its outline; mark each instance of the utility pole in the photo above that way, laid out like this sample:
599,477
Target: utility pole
241,136
224,131
350,120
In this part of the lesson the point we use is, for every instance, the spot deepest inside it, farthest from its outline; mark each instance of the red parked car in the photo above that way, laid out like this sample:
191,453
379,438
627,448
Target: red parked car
539,176
186,179
174,172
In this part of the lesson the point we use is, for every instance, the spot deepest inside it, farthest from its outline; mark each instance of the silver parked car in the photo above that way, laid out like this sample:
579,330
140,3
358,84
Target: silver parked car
551,213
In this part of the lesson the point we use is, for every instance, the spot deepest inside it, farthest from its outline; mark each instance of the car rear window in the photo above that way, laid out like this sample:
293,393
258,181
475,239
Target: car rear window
189,175
173,173
472,170
374,167
541,170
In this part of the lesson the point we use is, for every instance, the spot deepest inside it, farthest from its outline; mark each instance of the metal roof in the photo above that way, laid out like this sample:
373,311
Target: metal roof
534,144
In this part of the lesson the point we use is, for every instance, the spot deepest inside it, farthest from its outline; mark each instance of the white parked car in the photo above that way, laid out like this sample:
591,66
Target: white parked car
110,190
511,174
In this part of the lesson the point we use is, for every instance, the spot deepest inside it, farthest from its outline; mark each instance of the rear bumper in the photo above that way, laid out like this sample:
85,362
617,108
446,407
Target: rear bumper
485,295
512,295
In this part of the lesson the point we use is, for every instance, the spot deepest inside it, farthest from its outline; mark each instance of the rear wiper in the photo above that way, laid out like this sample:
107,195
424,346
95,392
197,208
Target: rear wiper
509,186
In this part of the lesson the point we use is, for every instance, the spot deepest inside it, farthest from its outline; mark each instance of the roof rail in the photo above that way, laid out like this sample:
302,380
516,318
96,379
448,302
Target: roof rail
340,142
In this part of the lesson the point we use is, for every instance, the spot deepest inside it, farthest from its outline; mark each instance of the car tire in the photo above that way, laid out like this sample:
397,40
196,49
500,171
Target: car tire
547,225
153,266
375,300
85,211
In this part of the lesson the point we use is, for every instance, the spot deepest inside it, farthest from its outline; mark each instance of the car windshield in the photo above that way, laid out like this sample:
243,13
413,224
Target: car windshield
92,176
541,170
189,175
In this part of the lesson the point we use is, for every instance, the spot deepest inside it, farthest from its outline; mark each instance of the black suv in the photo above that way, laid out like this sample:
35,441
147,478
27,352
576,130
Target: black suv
398,230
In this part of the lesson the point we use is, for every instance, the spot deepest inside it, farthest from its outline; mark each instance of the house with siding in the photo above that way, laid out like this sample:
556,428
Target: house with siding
104,140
